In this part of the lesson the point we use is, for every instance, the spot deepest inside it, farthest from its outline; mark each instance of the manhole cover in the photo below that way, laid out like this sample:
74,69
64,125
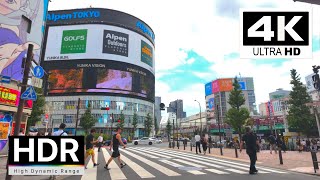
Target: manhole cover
190,168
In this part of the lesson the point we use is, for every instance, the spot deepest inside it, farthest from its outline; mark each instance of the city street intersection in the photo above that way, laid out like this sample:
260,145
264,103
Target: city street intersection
158,163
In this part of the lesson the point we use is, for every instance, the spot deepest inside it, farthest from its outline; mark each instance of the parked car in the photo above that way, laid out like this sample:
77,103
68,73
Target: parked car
108,142
144,140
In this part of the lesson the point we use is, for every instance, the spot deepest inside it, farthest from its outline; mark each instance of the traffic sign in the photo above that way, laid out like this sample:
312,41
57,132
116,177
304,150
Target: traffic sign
36,82
38,72
29,94
6,79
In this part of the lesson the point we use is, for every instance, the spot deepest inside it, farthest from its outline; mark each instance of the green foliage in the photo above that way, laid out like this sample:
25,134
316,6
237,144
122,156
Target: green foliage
148,123
237,115
37,109
87,121
105,136
134,123
156,126
299,117
121,118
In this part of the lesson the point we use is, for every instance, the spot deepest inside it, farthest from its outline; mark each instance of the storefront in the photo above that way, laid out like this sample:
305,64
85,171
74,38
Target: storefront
9,101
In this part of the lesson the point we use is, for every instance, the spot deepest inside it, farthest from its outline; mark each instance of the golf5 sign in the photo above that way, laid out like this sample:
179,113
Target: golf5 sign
269,33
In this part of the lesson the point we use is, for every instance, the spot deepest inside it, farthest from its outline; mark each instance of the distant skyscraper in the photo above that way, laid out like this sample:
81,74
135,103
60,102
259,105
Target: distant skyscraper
177,105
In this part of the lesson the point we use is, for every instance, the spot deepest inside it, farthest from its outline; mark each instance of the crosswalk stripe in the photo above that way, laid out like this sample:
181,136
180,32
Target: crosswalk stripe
91,171
148,155
160,168
189,163
219,161
189,159
216,171
195,172
237,171
207,160
115,171
137,168
229,162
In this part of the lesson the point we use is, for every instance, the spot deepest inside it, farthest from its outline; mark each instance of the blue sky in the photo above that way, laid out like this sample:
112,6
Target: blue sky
199,42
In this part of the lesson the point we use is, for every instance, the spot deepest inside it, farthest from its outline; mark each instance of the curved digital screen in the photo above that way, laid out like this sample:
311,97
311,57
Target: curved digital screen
98,41
100,77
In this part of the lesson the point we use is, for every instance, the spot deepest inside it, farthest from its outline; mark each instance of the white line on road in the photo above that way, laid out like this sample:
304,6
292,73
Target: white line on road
216,171
158,167
137,168
237,171
115,171
91,171
189,163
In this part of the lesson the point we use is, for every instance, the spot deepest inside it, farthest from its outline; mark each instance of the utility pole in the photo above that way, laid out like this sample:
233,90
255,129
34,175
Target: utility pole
77,117
218,118
24,85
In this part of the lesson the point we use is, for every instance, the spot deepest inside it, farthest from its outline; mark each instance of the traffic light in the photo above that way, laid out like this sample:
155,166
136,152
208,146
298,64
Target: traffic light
315,79
162,106
105,108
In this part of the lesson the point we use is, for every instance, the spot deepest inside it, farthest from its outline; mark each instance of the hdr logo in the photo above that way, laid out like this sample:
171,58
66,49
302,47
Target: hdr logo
269,33
56,155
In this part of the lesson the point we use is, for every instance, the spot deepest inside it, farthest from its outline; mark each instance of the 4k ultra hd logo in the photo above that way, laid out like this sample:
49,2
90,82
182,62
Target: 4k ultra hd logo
266,33
55,155
74,41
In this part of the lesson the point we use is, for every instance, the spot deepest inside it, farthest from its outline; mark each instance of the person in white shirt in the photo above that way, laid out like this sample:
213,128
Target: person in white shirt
61,131
100,140
198,138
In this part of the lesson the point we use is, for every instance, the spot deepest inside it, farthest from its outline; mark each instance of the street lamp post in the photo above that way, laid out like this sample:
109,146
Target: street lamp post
218,118
200,117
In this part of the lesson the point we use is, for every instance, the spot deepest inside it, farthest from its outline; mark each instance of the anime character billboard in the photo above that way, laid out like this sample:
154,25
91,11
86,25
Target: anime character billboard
14,38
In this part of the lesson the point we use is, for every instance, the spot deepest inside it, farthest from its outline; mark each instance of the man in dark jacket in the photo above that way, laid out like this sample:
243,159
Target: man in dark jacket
251,141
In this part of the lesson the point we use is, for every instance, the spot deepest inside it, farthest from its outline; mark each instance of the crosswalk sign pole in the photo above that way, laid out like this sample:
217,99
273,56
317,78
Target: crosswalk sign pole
24,84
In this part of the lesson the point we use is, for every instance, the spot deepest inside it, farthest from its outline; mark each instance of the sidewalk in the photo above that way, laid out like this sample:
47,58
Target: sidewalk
292,160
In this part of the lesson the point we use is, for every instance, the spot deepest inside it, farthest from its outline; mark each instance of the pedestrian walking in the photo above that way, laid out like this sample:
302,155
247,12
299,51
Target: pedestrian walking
251,148
90,147
100,140
197,139
303,144
308,145
60,132
272,142
21,133
204,143
115,143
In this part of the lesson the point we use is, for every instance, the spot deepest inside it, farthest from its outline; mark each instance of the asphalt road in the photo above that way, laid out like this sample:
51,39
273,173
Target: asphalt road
159,164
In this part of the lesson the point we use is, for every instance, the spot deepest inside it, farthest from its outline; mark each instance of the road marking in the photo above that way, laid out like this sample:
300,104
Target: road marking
237,171
189,163
137,168
115,171
148,155
91,171
217,171
160,168
195,172
219,161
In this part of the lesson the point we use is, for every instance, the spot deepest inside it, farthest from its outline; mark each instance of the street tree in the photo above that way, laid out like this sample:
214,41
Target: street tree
121,118
37,109
156,126
134,123
87,121
237,115
148,124
168,129
299,117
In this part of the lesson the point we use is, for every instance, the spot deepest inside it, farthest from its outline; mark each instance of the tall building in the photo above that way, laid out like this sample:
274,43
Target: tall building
106,60
278,99
157,111
177,106
217,92
310,88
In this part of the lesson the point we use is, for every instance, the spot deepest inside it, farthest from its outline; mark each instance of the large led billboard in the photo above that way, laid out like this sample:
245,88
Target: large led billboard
14,34
98,41
100,77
